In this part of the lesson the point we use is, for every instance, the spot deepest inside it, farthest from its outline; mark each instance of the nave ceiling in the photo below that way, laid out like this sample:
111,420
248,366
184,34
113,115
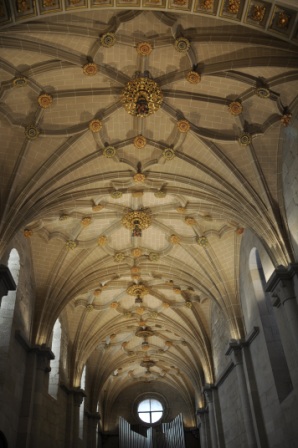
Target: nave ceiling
135,223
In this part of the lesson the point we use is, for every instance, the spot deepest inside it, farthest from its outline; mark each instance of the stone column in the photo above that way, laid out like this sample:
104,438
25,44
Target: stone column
43,355
211,413
236,351
93,419
282,287
7,282
74,401
202,423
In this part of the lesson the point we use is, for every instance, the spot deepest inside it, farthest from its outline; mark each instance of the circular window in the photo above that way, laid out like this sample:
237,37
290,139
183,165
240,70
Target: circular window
150,410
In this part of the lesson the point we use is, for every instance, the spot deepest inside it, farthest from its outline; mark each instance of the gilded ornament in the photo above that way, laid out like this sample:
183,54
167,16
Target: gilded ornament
116,194
86,221
27,233
23,6
108,40
119,256
207,4
263,92
245,139
70,244
140,310
114,305
258,13
239,230
235,108
286,119
63,217
168,153
97,207
109,152
183,126
45,100
136,253
31,132
90,69
48,3
193,77
182,44
181,210
139,178
234,6
190,221
202,241
20,81
137,290
97,292
136,277
144,48
165,305
141,97
90,307
139,218
95,125
283,20
180,2
188,304
175,239
154,256
160,194
140,141
137,194
135,270
154,315
177,290
102,240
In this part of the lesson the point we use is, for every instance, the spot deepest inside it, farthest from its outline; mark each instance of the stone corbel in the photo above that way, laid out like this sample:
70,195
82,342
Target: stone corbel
77,393
281,285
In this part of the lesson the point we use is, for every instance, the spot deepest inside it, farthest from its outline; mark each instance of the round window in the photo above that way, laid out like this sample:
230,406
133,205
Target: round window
150,410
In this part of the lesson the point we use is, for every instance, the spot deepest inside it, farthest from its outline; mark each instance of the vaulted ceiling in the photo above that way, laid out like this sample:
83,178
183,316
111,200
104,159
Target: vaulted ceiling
135,222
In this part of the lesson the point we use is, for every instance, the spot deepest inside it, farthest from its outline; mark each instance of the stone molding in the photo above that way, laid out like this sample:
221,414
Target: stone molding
78,393
281,284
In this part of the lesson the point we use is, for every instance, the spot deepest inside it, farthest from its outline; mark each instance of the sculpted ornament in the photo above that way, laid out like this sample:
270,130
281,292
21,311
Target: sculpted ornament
97,207
139,178
175,239
102,240
116,194
90,69
70,244
119,256
139,218
190,221
182,44
202,241
141,97
154,256
183,126
169,153
258,13
263,92
137,290
45,100
160,194
108,40
286,119
27,233
95,125
86,221
144,48
193,77
109,152
136,253
235,108
245,139
140,141
20,81
31,132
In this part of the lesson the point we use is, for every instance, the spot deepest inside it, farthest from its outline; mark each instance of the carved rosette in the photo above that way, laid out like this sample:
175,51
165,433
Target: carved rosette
86,221
45,100
97,292
245,139
182,45
283,20
31,132
109,152
141,97
168,153
286,119
181,210
235,108
177,290
102,240
90,69
108,40
27,233
234,6
136,253
207,4
20,81
95,125
165,305
202,241
137,290
160,194
263,92
258,13
175,239
239,230
144,48
183,126
140,141
154,256
119,257
116,194
97,207
139,178
70,244
190,221
138,217
188,304
193,77
89,307
114,305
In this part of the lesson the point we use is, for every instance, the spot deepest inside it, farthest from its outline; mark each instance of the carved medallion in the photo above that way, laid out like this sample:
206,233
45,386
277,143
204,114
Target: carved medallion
190,221
20,81
45,100
90,69
95,125
193,77
109,152
27,233
175,239
234,6
245,139
139,178
183,126
286,119
258,13
235,108
141,97
154,256
139,218
137,290
137,252
119,256
144,48
31,132
97,207
263,92
86,221
70,244
108,40
182,44
168,153
202,241
140,141
102,240
116,194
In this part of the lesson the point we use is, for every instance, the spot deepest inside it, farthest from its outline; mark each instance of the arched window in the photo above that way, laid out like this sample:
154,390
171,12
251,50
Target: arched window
150,410
82,407
55,363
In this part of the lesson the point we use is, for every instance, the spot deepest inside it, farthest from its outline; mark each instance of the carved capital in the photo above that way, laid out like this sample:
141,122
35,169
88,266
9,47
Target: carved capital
281,285
208,392
234,350
44,355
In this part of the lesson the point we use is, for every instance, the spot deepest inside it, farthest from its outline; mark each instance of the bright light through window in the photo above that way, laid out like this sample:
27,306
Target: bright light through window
150,410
